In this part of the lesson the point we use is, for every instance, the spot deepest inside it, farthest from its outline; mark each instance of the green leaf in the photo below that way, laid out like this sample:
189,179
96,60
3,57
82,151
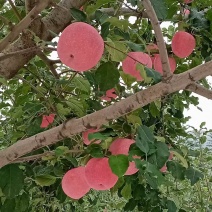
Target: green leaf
193,175
176,169
144,137
81,84
181,158
61,150
151,73
133,119
107,76
45,180
97,136
95,150
117,50
8,205
160,8
171,206
154,110
22,203
162,153
11,180
78,15
119,164
105,29
92,8
76,106
152,174
61,196
126,191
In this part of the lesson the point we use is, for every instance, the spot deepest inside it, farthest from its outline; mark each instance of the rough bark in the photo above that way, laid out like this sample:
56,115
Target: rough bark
55,22
97,119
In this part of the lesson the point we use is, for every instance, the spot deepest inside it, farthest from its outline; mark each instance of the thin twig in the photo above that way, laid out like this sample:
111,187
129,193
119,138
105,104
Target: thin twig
15,10
159,38
39,156
199,89
48,63
69,80
24,23
32,86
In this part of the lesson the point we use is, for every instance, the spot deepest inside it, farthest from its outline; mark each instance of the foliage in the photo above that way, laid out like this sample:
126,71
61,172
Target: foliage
34,92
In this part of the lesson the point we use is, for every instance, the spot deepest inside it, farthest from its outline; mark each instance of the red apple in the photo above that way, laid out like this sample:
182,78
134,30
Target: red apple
129,64
74,183
183,44
99,174
80,46
122,146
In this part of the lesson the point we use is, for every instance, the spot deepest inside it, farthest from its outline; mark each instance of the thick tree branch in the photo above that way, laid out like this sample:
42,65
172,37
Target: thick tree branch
199,89
159,38
25,51
97,119
29,4
55,22
24,23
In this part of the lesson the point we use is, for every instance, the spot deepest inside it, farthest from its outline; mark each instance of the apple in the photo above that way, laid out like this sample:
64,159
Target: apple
183,44
99,175
80,46
129,64
122,146
74,183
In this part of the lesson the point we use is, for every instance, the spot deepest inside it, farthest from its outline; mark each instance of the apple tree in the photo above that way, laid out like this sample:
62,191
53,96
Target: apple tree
93,95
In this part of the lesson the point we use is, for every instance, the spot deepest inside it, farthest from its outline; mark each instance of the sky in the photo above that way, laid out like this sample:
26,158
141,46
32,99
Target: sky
197,116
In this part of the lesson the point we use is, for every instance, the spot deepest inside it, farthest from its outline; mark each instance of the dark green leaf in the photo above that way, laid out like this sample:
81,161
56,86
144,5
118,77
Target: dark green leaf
45,180
156,76
107,76
176,169
160,8
193,175
78,14
119,164
8,205
126,191
144,137
171,206
95,150
11,180
162,154
22,203
105,29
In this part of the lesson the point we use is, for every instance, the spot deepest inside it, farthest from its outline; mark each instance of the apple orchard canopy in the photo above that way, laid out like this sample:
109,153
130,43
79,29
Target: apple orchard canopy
80,46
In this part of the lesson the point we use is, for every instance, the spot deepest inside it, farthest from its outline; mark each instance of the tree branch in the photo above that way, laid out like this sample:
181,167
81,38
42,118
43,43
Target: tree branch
25,51
15,10
199,89
159,38
48,63
24,23
55,22
123,11
39,156
98,118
